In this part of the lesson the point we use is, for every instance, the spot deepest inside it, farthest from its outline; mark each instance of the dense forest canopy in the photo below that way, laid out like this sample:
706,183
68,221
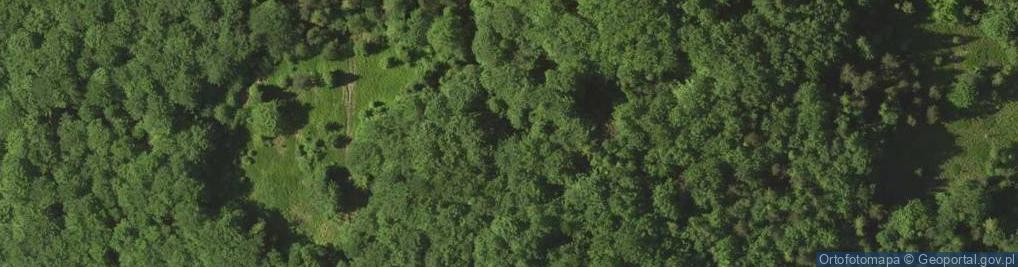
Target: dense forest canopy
504,132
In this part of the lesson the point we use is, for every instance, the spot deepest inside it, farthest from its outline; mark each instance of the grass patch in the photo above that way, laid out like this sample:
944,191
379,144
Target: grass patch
278,181
917,161
977,137
974,136
969,49
280,185
373,82
377,83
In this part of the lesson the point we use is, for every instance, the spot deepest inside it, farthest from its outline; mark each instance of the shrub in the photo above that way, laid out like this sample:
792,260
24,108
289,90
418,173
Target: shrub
265,119
963,93
945,10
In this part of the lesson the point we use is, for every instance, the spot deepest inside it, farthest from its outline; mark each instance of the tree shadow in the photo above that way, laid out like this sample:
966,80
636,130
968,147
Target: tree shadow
296,115
990,95
279,233
335,135
568,6
909,165
341,141
922,45
333,127
350,197
554,238
496,128
340,78
223,176
1003,208
596,98
56,213
892,32
925,43
1008,89
271,93
733,10
542,64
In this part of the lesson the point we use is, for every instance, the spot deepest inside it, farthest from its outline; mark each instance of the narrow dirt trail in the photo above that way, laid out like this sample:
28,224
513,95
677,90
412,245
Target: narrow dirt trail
350,106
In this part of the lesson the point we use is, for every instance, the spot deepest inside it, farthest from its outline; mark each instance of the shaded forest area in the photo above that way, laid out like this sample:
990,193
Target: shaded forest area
504,132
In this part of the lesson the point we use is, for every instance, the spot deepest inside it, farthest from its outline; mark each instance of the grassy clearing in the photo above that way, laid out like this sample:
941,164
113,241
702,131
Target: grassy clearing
278,183
968,47
977,137
973,137
374,82
377,83
958,148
